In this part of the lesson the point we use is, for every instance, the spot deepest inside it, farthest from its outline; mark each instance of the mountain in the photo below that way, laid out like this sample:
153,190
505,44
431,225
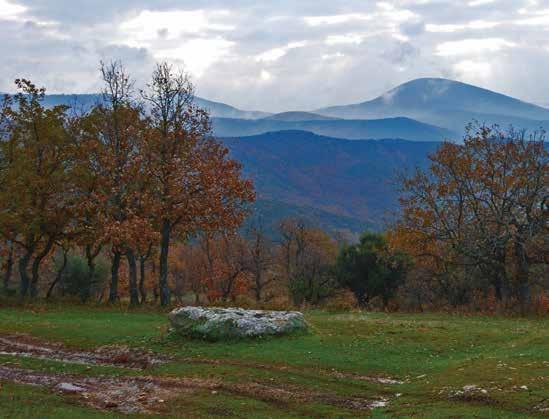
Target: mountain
404,128
439,108
269,212
222,110
87,100
298,116
228,121
80,101
446,103
342,184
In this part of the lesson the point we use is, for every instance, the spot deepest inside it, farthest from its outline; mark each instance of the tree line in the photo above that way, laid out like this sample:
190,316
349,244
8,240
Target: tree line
137,171
477,221
135,198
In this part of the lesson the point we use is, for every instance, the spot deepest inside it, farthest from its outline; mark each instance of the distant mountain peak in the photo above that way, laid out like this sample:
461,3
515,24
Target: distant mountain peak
299,116
222,110
448,93
447,103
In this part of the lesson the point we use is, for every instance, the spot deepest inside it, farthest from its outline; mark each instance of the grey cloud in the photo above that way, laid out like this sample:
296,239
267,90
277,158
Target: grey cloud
59,43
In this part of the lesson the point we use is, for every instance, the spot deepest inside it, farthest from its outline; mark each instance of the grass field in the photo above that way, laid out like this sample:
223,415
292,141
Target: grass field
442,366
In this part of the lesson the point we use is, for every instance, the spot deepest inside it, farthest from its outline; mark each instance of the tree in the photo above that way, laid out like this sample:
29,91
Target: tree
145,252
188,268
36,193
113,181
7,254
224,258
308,256
259,260
370,270
195,186
482,206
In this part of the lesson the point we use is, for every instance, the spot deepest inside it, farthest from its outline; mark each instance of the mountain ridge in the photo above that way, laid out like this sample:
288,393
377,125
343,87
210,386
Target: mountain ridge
442,103
445,103
437,91
352,181
360,129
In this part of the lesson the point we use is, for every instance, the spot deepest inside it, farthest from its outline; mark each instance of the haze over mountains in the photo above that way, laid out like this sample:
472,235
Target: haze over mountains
428,109
359,129
303,163
446,103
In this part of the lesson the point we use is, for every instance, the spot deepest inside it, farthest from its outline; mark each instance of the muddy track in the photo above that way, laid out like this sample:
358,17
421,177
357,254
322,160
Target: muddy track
148,394
118,356
296,371
123,356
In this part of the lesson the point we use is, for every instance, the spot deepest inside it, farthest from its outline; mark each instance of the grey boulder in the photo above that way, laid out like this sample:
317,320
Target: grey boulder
234,323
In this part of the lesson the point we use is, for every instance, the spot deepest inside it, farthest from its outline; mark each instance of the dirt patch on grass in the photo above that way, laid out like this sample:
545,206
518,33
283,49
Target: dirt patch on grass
125,395
297,371
124,356
148,394
120,356
369,378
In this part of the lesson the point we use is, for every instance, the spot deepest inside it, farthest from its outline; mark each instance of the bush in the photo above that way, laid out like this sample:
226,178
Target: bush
369,270
342,301
75,279
309,289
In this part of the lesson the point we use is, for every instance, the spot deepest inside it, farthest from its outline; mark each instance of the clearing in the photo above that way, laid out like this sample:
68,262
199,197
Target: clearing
76,361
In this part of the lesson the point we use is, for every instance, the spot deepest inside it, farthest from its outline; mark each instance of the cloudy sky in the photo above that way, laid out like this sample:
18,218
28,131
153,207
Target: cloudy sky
281,54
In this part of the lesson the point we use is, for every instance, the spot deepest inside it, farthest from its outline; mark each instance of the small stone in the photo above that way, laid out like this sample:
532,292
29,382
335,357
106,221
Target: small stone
70,388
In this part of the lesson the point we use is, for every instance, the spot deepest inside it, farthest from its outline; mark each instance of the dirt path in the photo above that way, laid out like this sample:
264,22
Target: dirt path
296,371
123,356
126,395
146,394
27,346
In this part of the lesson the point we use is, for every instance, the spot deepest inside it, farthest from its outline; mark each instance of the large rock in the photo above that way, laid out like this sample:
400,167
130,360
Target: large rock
233,323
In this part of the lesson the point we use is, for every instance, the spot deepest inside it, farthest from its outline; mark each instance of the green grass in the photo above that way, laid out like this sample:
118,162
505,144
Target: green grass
435,354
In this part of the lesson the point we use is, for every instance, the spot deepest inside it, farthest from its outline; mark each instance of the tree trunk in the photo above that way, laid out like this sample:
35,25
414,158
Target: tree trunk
522,276
24,275
113,293
142,289
90,258
36,267
258,287
132,273
9,270
59,274
164,249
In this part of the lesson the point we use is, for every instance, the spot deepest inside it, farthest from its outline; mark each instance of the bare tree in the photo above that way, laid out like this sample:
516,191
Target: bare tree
260,260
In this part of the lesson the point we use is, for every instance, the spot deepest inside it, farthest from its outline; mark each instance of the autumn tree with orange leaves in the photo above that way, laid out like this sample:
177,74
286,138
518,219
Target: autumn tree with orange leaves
36,199
483,206
114,210
194,185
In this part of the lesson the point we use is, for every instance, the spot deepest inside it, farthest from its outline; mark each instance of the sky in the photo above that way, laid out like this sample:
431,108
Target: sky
276,55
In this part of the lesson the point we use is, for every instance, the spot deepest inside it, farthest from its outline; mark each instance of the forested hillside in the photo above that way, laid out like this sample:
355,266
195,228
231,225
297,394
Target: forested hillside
352,183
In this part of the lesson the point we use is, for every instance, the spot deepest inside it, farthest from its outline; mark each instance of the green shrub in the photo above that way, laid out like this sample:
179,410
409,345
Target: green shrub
75,280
